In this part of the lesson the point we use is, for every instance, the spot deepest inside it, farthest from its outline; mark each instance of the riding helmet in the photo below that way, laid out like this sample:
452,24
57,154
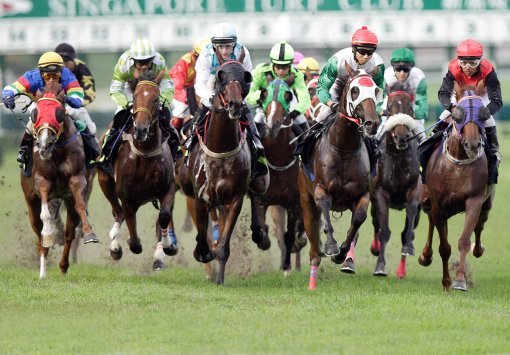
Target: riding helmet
223,33
282,53
66,51
142,49
308,64
470,48
364,37
197,47
402,55
50,62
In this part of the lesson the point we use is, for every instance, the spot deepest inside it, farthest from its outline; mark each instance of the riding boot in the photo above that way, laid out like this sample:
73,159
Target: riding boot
494,156
261,128
110,146
198,124
373,153
259,166
91,147
25,153
299,129
427,146
173,139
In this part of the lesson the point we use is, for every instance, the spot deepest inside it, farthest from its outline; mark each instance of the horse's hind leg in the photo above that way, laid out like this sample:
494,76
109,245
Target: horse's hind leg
133,241
278,216
412,210
73,219
202,252
478,248
166,239
384,237
289,238
324,202
78,187
107,184
425,259
375,246
259,232
445,249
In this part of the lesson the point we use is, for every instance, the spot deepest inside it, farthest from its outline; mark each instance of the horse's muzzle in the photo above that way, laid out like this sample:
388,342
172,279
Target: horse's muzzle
141,133
370,127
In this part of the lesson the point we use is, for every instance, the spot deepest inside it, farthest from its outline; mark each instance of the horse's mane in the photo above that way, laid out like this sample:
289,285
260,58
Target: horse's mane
340,82
232,71
460,91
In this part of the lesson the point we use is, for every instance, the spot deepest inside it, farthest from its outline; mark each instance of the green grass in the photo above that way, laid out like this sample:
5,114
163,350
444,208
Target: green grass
103,306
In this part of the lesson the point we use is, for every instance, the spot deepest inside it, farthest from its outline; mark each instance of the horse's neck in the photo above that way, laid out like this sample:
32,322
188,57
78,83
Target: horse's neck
279,147
221,134
344,134
153,140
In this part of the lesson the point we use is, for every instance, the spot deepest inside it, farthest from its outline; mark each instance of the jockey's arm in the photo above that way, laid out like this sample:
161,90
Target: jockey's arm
493,88
118,85
203,70
445,91
421,106
247,64
72,88
86,81
326,80
258,82
179,73
301,90
166,89
379,81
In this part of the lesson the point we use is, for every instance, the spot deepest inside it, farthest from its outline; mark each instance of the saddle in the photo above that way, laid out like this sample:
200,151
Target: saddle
306,141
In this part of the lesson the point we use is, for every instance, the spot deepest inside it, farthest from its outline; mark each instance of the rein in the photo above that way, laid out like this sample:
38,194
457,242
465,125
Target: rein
281,168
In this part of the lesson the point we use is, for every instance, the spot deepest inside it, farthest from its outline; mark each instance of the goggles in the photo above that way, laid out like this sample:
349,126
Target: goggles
403,68
143,62
51,75
281,66
365,51
469,63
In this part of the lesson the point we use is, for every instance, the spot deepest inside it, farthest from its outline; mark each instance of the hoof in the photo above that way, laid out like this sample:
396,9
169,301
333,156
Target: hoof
47,241
380,270
424,261
477,252
407,251
116,254
210,256
331,249
90,238
299,243
348,266
265,244
171,250
158,265
257,236
136,248
460,285
339,258
375,247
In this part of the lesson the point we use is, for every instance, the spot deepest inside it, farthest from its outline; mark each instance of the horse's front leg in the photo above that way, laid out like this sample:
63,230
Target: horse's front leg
166,240
445,249
202,252
73,219
259,230
473,208
130,213
231,213
289,238
375,246
412,210
34,206
47,233
324,201
107,184
78,186
382,210
478,248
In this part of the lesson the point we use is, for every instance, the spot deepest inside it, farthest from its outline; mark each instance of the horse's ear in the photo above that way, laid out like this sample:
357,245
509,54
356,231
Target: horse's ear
221,76
159,77
288,96
33,115
484,114
349,69
459,114
60,114
248,78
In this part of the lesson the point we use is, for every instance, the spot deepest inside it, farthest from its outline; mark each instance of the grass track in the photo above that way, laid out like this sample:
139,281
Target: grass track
103,306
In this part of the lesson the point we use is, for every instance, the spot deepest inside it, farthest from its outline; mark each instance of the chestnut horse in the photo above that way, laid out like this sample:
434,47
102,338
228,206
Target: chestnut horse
58,172
283,169
144,172
456,177
219,166
339,179
397,184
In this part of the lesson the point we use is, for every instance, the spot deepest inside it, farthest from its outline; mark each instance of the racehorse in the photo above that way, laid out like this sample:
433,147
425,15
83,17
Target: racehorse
58,172
339,176
144,172
283,169
397,183
219,166
456,177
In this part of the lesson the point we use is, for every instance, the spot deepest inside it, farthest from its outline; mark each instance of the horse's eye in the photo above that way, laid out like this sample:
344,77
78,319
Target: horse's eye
33,115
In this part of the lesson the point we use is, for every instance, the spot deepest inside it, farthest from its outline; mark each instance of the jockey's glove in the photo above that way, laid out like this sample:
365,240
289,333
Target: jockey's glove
294,114
8,99
74,102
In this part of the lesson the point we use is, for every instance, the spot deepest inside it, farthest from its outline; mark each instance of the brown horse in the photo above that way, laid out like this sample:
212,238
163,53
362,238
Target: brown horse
219,167
283,169
144,172
339,179
397,184
58,172
456,177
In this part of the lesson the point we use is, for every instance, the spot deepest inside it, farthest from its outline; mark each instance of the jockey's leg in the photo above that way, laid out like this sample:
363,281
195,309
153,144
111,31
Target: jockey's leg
495,156
259,165
173,139
260,122
373,153
198,124
300,125
110,146
26,145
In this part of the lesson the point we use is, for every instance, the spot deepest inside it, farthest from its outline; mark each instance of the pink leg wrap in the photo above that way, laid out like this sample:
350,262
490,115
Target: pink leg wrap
313,278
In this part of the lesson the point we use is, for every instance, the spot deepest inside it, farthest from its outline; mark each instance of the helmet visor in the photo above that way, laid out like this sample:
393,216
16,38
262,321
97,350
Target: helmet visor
469,63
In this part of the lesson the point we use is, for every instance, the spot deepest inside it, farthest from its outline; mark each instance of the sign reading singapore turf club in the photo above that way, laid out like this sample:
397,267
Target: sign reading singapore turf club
35,25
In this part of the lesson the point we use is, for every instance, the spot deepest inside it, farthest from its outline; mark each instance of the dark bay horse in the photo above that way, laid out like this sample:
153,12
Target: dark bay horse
144,172
456,177
397,183
58,172
219,167
283,169
339,179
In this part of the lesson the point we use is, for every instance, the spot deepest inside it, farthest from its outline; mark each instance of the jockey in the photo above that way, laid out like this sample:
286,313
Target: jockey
140,58
309,67
86,80
298,56
469,68
50,68
183,75
224,47
403,71
281,56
